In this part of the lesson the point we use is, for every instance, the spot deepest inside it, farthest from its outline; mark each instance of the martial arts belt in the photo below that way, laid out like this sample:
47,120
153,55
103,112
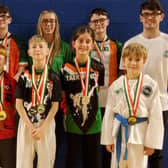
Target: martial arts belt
124,122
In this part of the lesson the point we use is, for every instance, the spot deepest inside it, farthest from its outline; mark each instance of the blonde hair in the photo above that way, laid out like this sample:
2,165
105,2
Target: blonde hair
57,38
136,49
37,39
3,50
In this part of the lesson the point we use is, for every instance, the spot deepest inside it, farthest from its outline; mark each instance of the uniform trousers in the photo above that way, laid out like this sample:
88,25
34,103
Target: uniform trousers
27,147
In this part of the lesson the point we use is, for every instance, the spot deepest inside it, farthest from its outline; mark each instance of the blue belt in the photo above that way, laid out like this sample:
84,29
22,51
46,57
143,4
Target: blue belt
124,122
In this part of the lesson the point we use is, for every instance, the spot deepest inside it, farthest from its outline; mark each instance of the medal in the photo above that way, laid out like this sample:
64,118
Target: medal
3,115
41,108
84,86
85,100
99,49
132,120
133,105
33,110
38,92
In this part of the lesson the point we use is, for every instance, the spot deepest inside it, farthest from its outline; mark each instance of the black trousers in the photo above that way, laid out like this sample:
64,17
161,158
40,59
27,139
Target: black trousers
105,155
90,147
8,153
156,160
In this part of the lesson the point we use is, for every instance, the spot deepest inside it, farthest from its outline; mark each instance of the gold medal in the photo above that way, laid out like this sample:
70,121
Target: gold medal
41,108
33,110
132,120
85,100
3,115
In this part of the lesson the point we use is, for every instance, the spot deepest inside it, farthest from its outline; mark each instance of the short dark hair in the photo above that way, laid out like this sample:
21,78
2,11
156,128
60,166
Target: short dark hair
98,11
4,9
153,5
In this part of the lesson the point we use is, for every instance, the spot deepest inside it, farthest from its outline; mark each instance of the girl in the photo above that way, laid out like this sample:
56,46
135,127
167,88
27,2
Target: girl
81,78
48,27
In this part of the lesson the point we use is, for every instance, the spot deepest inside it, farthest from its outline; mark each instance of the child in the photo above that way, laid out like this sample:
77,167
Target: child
37,96
134,104
7,110
16,54
155,41
81,78
108,52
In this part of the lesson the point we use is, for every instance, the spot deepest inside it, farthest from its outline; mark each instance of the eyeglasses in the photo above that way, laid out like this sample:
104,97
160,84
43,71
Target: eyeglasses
152,14
4,17
46,21
96,21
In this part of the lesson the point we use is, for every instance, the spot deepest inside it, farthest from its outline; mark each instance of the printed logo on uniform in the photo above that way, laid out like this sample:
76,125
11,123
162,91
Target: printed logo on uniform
147,90
118,91
166,53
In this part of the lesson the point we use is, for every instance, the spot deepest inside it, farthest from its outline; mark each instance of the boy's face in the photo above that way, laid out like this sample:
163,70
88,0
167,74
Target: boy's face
99,23
48,23
151,19
133,64
2,62
5,20
38,50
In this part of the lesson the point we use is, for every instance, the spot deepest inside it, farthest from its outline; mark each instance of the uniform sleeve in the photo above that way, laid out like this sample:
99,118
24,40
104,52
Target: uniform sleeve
119,50
56,92
107,124
155,129
19,92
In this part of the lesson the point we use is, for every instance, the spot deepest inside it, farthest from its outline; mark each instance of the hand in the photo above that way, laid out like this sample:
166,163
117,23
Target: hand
148,151
37,133
110,148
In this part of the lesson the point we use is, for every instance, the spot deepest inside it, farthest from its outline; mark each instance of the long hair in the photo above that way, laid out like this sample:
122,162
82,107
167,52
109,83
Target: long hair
56,34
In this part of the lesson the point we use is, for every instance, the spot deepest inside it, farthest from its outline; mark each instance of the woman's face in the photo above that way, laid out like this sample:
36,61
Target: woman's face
48,23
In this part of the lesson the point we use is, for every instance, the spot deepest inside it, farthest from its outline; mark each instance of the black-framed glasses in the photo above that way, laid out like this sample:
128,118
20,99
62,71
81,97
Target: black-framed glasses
51,21
4,17
151,14
96,21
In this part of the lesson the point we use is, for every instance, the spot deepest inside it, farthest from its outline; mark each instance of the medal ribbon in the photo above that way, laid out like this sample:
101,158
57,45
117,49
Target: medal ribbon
5,40
2,93
49,54
84,86
133,105
38,92
99,49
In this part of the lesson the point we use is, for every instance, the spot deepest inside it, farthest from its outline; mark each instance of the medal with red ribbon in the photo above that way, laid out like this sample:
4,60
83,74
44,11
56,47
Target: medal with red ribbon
38,91
99,48
87,74
133,104
48,58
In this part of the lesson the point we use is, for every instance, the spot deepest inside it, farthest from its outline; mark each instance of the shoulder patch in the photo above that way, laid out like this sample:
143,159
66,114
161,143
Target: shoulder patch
118,91
166,53
147,90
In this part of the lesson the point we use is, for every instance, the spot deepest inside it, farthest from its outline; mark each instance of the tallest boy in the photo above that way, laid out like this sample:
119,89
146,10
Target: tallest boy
16,52
151,15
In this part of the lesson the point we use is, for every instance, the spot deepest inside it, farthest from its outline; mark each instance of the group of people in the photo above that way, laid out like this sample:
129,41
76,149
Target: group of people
126,114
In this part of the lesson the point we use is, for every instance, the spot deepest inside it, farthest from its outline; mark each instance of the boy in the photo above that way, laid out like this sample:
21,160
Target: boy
106,51
133,113
16,53
7,110
37,96
156,42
